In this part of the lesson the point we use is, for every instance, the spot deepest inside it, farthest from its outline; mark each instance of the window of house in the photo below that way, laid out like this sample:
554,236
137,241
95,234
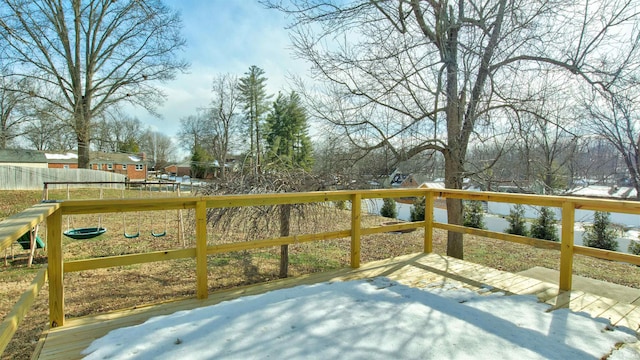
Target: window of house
139,167
65,166
124,166
109,166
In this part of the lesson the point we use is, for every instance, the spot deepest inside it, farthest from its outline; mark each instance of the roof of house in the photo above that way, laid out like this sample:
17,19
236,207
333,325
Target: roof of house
117,158
180,165
95,157
68,158
432,185
22,156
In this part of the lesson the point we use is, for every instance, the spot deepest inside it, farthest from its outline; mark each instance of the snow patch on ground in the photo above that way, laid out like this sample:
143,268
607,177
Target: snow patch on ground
370,319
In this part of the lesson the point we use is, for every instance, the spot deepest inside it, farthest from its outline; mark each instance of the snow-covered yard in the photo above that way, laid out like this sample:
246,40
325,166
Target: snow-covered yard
370,319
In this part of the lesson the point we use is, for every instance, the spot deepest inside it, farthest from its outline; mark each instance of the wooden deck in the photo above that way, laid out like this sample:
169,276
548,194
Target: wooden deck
416,270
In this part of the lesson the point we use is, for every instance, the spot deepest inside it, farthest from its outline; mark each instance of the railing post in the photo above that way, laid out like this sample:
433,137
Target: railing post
428,222
566,249
55,269
356,205
202,291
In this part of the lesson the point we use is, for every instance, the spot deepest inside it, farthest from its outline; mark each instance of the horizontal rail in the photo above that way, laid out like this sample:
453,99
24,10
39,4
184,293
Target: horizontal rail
129,259
287,240
10,324
581,203
12,228
606,254
75,207
393,228
133,259
546,244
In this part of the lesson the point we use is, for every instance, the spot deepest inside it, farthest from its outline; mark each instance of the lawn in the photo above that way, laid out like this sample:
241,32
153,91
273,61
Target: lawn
101,290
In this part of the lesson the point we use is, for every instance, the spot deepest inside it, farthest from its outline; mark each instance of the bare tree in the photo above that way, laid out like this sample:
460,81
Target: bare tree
193,130
46,131
14,110
224,117
94,54
158,147
613,116
444,67
116,131
596,161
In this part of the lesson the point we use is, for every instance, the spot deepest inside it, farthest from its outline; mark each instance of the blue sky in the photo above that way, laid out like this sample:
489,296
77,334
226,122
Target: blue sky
224,36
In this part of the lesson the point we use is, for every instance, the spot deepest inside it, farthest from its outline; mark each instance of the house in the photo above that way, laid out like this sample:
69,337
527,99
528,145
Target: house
134,167
24,158
208,171
432,185
62,161
179,170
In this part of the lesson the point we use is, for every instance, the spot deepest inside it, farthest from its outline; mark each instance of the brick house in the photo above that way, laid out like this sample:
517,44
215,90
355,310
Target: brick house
179,170
134,167
62,161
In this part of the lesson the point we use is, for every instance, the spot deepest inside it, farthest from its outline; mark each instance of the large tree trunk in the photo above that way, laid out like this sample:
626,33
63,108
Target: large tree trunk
83,153
456,146
453,170
285,225
84,142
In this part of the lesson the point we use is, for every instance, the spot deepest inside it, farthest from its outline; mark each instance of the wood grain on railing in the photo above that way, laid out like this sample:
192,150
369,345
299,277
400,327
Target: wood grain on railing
356,210
55,268
13,227
10,324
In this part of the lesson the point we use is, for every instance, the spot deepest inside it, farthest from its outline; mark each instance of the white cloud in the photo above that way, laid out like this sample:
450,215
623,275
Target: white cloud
224,37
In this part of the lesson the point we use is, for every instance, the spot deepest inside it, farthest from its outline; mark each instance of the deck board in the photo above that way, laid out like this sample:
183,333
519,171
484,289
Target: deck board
417,270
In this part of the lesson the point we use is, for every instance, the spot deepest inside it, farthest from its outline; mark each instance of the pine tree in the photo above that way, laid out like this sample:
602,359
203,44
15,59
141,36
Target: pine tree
200,160
253,96
517,222
417,209
601,234
388,208
474,215
544,226
286,133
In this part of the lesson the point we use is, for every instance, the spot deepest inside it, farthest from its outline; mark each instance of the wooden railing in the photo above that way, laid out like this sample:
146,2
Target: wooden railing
14,227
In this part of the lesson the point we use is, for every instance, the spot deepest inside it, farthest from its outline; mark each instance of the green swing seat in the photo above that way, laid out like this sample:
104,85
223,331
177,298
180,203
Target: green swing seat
85,233
132,236
25,241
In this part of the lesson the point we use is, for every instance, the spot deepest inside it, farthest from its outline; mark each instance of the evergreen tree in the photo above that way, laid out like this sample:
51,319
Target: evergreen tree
517,222
474,215
130,145
389,208
200,161
253,96
544,226
634,247
417,209
601,234
286,133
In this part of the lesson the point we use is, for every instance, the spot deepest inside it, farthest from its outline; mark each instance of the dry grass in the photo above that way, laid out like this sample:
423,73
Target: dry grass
103,290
